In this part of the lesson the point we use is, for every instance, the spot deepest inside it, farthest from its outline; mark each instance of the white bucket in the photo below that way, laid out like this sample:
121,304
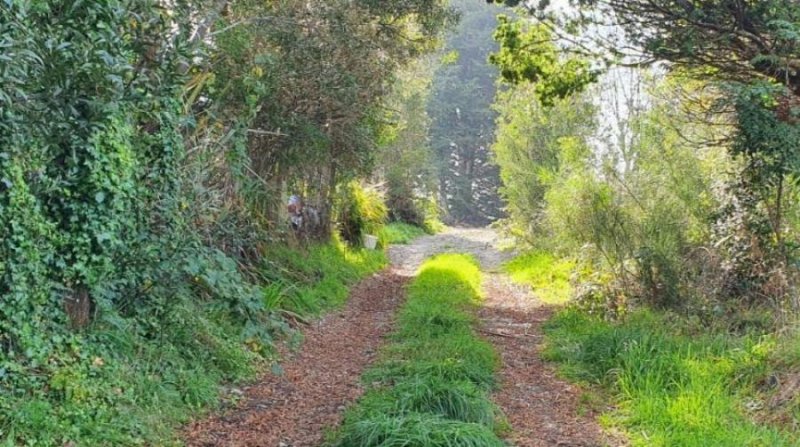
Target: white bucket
370,241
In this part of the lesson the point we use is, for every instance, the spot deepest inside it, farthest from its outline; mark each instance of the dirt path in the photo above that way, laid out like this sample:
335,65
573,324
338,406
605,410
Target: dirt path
479,242
294,409
542,409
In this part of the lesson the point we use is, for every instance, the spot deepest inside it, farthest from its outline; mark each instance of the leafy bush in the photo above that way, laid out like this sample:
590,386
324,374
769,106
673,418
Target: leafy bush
432,384
636,214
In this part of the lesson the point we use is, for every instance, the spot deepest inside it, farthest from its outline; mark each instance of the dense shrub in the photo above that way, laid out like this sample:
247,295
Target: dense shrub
641,214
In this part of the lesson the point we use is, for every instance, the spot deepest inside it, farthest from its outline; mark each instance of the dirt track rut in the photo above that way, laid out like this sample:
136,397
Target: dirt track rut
319,381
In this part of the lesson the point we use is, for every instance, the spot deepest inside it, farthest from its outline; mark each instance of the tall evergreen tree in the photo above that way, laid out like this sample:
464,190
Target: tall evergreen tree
463,122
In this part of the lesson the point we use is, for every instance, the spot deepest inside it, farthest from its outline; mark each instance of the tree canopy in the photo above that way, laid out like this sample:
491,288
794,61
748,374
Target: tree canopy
723,39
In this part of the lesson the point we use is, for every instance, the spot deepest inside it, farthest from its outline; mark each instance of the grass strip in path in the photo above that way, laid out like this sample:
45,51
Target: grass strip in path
432,386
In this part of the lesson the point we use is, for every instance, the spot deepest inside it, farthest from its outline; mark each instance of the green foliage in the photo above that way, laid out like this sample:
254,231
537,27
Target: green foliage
761,41
131,381
405,160
418,429
535,146
717,40
361,210
767,141
549,277
676,384
262,79
431,386
764,134
749,53
529,54
635,217
137,182
639,227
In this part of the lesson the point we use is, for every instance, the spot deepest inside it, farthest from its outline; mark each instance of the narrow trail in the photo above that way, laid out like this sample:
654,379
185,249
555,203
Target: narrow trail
542,409
296,408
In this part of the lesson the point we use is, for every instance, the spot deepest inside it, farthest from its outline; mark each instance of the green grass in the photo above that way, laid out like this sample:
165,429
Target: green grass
548,276
674,387
431,387
318,279
129,382
400,233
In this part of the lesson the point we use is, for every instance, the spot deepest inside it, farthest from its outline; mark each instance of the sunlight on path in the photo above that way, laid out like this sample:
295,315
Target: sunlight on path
295,407
483,243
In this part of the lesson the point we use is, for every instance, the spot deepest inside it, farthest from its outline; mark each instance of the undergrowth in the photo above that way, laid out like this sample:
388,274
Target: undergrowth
676,385
132,381
548,276
400,233
431,387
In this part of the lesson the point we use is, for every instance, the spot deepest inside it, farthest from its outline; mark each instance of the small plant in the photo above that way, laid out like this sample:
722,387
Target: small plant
548,277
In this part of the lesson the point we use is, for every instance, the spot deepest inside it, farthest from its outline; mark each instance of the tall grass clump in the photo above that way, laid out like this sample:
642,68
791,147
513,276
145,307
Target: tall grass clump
432,386
361,210
675,386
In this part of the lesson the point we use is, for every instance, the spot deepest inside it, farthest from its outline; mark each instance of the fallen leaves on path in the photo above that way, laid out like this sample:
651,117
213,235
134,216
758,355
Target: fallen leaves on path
542,409
295,408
